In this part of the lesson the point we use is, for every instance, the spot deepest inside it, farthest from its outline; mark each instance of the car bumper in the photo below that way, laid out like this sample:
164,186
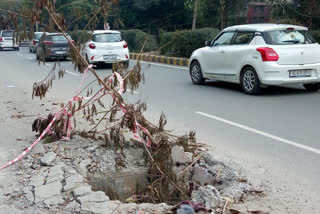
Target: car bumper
271,73
97,58
8,45
56,54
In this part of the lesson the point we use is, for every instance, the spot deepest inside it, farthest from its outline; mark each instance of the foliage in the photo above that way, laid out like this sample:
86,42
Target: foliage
306,12
151,15
135,39
183,43
80,36
316,35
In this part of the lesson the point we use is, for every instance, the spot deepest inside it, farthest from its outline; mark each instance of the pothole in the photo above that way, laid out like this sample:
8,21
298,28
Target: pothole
119,185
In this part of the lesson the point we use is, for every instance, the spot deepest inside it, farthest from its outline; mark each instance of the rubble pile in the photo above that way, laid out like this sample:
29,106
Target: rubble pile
85,176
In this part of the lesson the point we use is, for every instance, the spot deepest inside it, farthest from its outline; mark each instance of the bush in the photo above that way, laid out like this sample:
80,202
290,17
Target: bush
183,43
316,35
81,36
136,38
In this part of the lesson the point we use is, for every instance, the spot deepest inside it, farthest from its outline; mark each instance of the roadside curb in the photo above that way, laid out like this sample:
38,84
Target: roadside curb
161,59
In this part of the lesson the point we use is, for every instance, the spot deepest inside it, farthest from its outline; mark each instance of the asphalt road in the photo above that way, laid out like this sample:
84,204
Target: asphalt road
274,135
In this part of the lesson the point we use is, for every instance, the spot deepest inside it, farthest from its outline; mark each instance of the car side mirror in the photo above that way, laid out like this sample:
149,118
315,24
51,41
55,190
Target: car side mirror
208,43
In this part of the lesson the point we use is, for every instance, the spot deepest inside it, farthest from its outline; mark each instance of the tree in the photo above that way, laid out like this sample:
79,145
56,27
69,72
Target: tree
306,12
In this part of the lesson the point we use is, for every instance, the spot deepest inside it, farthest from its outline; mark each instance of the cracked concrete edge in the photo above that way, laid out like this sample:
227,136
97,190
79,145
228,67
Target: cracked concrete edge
161,59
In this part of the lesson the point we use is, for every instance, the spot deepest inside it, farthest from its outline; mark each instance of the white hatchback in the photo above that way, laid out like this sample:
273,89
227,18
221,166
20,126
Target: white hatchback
7,40
259,55
106,46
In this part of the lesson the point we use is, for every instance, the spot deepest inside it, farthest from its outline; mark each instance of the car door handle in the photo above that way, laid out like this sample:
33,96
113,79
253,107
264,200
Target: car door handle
222,51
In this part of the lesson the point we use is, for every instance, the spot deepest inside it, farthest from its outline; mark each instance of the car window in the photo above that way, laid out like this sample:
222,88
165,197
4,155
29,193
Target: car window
289,37
7,34
57,38
37,36
243,38
107,37
224,39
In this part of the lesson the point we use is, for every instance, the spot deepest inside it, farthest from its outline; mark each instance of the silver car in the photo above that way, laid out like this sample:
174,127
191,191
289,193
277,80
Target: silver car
34,41
7,40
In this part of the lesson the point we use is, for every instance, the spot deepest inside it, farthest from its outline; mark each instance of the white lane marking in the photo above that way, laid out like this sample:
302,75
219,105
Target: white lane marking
256,131
29,58
19,54
69,72
163,65
48,64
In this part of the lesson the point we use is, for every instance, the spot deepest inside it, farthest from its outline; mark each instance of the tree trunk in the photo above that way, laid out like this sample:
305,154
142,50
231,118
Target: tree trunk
195,13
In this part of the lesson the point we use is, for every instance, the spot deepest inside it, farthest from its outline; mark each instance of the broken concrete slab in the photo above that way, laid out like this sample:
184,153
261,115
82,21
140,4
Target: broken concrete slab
178,155
73,181
37,180
81,191
107,207
44,192
56,173
201,176
54,201
48,158
98,196
28,194
209,196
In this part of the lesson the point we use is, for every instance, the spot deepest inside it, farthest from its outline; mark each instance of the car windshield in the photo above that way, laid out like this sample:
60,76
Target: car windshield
58,38
37,36
289,37
107,37
7,34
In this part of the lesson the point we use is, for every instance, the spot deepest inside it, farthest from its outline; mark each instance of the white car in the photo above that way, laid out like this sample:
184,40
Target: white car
106,46
7,41
259,55
35,41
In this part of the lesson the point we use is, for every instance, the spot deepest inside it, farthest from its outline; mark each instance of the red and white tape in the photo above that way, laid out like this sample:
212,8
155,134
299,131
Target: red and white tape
137,126
67,112
48,129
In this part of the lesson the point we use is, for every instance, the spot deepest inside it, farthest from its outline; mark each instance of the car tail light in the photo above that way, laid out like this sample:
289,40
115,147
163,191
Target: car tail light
125,45
34,42
268,54
92,57
127,57
47,42
92,46
1,39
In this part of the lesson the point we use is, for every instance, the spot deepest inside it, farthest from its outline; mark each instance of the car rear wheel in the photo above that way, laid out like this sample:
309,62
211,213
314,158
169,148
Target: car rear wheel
249,81
196,73
312,87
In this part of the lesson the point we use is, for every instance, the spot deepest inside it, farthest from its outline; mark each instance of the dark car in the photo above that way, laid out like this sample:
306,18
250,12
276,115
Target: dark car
53,46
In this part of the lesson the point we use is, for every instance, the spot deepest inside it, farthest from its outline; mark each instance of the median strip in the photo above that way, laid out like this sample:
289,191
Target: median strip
161,59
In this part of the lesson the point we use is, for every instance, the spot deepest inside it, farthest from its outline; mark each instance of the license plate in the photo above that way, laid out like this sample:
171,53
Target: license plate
110,57
300,73
60,52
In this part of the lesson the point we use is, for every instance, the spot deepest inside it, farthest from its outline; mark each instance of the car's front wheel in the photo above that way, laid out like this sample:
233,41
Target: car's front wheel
249,81
312,87
196,73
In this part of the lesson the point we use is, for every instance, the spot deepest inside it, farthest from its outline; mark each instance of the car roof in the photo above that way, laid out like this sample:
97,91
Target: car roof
264,27
105,31
54,34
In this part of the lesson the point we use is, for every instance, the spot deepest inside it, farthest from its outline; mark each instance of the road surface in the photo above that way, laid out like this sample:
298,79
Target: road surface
274,135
